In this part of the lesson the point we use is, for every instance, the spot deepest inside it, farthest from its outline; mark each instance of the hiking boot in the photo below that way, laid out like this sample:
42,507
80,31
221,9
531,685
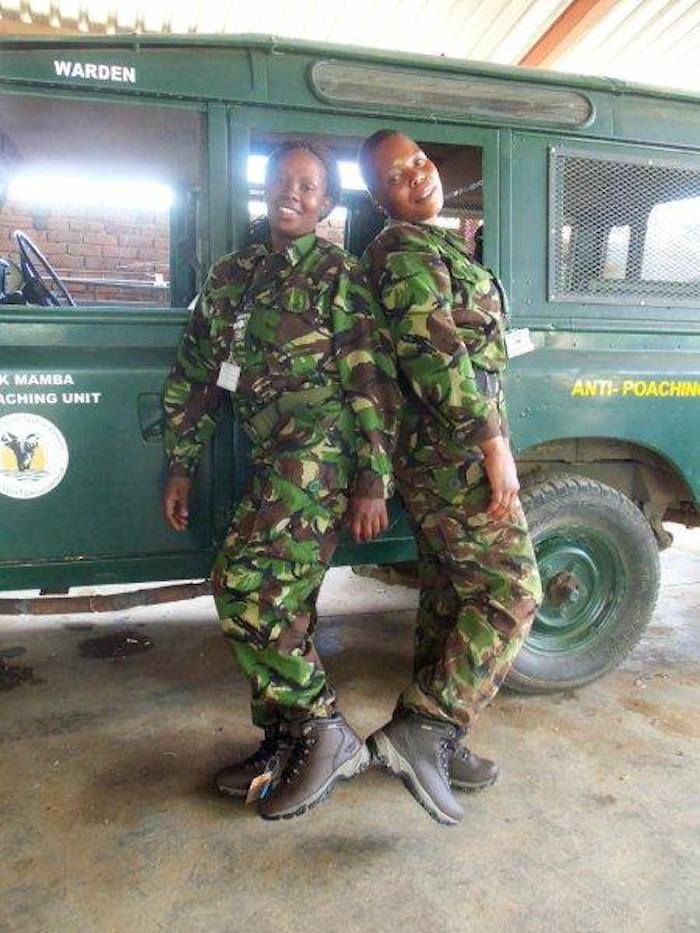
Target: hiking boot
418,750
273,750
468,771
324,751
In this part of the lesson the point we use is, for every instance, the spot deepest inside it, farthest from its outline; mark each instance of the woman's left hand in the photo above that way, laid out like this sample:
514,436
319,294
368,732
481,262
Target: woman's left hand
366,518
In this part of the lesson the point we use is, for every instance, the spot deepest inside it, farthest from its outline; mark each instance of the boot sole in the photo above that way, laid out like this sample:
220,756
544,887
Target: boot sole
466,788
359,762
393,761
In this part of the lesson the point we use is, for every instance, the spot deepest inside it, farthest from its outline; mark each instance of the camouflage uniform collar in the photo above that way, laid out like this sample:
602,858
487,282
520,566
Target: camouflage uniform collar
451,237
427,228
298,248
441,234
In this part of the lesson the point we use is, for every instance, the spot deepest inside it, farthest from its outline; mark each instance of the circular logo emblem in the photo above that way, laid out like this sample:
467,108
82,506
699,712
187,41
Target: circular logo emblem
33,456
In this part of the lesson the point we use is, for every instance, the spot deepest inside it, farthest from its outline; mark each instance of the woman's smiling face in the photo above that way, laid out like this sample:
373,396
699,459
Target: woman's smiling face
296,195
405,182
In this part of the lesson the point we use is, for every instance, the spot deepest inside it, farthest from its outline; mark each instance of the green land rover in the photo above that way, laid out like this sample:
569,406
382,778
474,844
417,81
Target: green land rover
127,164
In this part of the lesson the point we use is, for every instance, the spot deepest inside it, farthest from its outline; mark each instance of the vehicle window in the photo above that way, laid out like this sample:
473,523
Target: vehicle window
672,242
624,230
462,180
354,221
617,252
100,200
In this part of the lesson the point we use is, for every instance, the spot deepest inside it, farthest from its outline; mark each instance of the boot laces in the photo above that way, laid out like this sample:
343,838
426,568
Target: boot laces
449,747
297,759
459,751
266,751
444,755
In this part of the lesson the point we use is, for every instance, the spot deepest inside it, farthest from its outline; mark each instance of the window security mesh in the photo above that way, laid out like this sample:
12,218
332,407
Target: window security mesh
623,230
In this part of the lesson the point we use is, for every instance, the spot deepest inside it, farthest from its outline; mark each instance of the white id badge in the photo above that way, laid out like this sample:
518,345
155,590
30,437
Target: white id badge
228,376
518,342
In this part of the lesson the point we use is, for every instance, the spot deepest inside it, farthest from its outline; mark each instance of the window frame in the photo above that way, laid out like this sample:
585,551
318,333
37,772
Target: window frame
202,232
555,214
246,122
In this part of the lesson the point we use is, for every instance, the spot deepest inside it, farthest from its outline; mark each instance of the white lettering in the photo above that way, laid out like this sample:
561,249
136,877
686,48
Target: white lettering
43,379
28,398
91,71
80,398
4,380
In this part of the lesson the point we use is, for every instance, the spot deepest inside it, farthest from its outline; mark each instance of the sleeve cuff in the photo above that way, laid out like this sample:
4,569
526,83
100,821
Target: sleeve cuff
489,427
371,485
177,468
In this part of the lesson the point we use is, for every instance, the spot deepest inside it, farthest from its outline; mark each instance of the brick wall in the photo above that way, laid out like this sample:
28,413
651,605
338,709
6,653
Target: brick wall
116,244
128,245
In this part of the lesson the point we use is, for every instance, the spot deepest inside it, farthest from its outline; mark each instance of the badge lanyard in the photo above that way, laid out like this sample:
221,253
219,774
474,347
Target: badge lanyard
230,371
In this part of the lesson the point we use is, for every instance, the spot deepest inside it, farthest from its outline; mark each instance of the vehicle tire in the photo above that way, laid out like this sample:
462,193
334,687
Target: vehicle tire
599,564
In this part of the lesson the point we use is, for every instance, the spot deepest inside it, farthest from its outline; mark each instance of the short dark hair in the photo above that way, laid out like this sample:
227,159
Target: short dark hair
324,156
367,151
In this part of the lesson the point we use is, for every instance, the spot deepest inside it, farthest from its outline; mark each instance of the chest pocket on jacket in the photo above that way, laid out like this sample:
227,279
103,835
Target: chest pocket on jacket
476,308
302,336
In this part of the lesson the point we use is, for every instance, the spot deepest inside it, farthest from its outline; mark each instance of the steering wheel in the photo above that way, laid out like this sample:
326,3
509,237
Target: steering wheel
35,270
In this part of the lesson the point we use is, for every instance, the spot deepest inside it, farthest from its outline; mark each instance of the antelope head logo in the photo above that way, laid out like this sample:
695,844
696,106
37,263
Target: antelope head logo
22,449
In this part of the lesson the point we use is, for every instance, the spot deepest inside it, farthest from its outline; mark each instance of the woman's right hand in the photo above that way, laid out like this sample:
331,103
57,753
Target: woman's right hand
176,502
502,476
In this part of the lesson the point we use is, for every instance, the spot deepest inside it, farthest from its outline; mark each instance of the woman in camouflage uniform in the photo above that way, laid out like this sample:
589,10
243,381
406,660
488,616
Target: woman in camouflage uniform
456,475
287,326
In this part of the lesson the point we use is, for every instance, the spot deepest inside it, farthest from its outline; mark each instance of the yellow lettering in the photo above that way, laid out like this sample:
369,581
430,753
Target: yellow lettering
639,388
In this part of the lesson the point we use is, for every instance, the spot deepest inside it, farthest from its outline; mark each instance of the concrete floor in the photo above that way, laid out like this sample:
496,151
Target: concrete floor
109,824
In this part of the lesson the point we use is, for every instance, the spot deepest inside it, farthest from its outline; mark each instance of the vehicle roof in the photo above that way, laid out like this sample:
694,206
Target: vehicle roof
138,42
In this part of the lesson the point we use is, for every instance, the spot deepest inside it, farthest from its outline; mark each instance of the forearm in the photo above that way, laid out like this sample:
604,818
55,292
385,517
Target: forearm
191,413
191,397
368,376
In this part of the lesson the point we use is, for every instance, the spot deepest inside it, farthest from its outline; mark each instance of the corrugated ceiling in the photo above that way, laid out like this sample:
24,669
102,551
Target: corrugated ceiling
654,41
650,41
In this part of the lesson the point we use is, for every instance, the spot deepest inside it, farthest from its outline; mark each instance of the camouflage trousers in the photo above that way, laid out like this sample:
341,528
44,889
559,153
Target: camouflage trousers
480,586
268,573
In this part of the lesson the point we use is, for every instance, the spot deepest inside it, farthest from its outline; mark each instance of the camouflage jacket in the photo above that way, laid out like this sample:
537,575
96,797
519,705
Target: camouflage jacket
446,321
304,328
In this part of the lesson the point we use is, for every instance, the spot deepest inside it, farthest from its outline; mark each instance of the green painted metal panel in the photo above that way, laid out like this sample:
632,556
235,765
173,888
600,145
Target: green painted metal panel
565,390
629,350
264,70
96,378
